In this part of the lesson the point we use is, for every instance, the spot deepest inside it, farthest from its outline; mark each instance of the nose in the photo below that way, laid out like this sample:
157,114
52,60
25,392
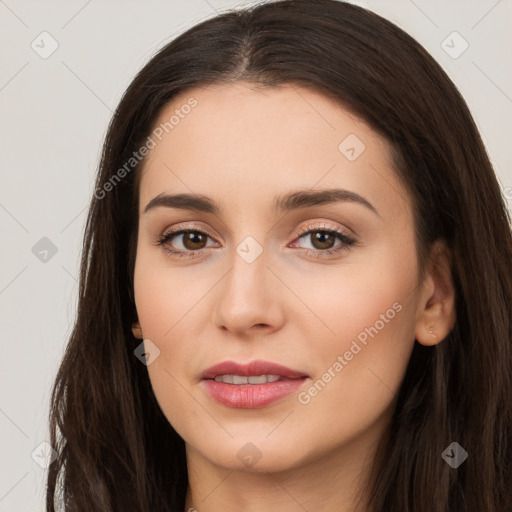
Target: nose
249,299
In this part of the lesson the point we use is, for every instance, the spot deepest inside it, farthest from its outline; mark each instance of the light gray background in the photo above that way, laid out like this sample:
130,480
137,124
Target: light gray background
54,113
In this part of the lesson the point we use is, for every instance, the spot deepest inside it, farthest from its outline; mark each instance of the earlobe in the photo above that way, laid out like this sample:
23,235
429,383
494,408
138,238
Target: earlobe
136,330
431,336
437,315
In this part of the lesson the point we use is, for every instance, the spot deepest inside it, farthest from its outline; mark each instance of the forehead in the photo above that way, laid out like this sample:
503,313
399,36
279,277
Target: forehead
244,142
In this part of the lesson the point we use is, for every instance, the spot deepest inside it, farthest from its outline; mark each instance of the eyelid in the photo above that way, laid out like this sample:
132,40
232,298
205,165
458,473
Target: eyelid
319,225
177,230
182,228
348,241
324,226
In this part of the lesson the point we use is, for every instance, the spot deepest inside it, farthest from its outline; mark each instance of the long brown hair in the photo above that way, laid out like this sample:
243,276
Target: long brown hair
117,451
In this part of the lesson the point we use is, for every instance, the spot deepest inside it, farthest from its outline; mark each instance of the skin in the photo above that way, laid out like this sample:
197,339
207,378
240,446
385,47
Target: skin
241,146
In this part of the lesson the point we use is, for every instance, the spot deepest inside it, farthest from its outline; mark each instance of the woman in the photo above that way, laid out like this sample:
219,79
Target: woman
219,363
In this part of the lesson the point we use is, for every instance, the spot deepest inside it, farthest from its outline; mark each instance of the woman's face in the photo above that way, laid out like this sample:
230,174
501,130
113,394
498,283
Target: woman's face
324,285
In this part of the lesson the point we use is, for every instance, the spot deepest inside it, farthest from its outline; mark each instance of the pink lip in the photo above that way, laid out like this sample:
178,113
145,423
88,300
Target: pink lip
252,396
257,367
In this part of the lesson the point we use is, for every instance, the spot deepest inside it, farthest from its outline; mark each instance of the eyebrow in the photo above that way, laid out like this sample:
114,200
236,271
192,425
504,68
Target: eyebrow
288,202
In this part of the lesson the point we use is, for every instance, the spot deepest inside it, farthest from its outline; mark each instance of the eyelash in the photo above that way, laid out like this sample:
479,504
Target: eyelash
347,241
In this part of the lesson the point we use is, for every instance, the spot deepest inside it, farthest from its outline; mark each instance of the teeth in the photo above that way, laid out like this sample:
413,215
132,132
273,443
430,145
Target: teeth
242,379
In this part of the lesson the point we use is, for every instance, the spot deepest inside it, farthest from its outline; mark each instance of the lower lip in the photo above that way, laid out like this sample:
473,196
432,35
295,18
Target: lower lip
252,396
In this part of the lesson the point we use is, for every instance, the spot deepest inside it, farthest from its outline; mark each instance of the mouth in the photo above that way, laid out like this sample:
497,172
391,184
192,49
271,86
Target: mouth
251,386
256,368
238,380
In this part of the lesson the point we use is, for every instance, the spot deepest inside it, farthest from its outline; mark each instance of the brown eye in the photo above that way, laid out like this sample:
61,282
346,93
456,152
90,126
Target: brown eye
323,239
184,242
194,240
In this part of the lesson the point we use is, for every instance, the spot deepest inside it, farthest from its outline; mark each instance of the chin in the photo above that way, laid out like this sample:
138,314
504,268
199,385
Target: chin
248,454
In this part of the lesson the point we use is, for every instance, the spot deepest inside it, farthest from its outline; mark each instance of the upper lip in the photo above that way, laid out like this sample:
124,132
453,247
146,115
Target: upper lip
257,367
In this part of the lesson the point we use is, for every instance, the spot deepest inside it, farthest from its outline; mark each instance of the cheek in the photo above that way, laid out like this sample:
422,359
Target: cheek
368,317
360,299
355,391
170,310
166,295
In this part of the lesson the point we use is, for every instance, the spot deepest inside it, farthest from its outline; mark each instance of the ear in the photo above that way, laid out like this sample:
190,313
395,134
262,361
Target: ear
436,310
136,330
